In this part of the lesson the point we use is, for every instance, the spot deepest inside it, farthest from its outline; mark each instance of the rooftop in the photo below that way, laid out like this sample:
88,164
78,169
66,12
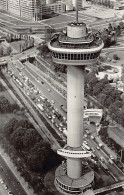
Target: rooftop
75,43
83,40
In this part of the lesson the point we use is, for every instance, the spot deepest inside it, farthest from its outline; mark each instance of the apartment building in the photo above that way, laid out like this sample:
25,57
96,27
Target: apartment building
28,9
31,9
4,4
14,7
53,8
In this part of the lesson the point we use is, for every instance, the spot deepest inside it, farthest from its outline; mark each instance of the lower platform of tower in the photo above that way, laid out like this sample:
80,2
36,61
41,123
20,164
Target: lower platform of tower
70,186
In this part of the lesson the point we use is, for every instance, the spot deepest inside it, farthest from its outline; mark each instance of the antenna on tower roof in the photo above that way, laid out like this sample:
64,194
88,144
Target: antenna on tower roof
76,11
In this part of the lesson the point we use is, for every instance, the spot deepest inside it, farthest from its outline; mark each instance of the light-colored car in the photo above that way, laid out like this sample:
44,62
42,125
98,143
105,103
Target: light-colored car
1,181
61,125
85,135
52,101
5,186
10,193
85,142
60,129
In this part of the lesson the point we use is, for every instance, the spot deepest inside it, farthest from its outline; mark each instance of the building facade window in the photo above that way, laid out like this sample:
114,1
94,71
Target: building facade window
74,56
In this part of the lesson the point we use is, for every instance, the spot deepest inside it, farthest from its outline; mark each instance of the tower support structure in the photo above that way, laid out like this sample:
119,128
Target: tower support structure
76,48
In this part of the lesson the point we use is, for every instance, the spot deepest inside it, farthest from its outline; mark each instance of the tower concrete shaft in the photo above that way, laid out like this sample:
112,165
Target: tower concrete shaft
75,96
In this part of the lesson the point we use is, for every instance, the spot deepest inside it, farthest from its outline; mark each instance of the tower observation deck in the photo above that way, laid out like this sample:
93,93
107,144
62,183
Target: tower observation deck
75,48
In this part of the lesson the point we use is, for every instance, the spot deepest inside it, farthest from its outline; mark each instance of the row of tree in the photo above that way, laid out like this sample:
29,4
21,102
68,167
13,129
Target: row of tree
35,153
5,50
17,37
1,87
6,107
106,95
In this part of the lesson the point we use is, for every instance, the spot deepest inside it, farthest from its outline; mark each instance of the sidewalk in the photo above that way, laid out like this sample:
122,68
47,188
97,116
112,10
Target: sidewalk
15,172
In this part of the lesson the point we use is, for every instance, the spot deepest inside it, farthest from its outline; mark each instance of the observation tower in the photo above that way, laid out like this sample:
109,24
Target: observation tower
75,48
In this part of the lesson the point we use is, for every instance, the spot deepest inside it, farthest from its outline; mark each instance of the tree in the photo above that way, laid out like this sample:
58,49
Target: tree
110,28
30,30
44,49
23,123
115,57
49,31
16,138
8,128
9,50
97,88
1,51
102,98
29,138
109,101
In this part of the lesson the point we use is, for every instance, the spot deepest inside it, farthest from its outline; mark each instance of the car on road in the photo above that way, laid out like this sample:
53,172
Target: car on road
20,73
64,108
98,148
85,142
60,129
61,125
92,137
10,193
52,121
85,135
53,116
5,186
111,157
64,118
48,116
1,181
56,125
52,101
93,149
42,98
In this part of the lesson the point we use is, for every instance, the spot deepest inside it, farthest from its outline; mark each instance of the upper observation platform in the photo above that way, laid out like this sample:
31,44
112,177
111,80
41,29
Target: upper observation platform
76,46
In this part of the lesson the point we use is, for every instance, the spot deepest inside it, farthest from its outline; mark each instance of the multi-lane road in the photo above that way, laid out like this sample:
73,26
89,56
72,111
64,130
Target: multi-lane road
102,154
10,180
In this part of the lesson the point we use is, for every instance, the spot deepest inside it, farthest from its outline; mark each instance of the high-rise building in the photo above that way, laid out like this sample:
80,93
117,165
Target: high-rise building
28,9
31,9
74,2
14,7
4,4
76,48
53,8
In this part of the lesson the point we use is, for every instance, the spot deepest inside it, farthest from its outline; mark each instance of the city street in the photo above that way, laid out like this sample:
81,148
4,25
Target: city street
9,179
101,154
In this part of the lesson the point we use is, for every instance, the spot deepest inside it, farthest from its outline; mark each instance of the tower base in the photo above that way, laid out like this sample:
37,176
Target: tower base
69,186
